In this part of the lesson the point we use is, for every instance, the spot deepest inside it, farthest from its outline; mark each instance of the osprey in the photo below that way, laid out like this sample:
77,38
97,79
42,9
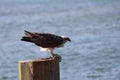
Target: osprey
45,41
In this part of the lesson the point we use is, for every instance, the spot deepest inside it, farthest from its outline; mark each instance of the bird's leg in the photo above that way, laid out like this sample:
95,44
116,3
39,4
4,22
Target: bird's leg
52,55
51,52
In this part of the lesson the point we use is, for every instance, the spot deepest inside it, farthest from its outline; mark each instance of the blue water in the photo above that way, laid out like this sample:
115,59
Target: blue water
92,25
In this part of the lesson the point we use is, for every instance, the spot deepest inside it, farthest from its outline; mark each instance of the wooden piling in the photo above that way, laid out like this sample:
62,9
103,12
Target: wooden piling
40,69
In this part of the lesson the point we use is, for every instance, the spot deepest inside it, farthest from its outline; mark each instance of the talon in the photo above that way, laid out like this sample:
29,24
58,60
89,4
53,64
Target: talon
58,56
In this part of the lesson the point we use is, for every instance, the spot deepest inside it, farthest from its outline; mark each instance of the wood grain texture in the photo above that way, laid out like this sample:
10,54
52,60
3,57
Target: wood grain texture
40,69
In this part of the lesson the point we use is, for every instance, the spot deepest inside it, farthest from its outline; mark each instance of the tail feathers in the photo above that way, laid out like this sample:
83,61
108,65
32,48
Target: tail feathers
27,33
27,39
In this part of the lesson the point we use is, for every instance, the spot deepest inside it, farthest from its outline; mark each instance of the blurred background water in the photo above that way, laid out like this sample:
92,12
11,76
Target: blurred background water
92,25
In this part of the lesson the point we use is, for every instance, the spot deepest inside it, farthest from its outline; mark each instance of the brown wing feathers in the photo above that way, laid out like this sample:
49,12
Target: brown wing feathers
42,39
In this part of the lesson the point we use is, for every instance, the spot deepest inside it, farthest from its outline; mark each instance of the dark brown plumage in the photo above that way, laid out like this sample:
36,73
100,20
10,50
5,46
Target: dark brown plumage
45,40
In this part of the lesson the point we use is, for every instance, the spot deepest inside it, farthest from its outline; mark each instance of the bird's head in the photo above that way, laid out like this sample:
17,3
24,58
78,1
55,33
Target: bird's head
66,38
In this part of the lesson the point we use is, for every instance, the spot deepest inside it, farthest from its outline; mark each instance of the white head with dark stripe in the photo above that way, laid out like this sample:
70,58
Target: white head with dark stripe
66,38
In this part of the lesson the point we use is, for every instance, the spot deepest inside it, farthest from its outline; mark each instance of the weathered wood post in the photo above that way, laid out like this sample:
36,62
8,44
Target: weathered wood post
40,69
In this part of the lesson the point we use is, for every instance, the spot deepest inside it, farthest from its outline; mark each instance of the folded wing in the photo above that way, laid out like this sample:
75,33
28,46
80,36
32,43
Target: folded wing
44,40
